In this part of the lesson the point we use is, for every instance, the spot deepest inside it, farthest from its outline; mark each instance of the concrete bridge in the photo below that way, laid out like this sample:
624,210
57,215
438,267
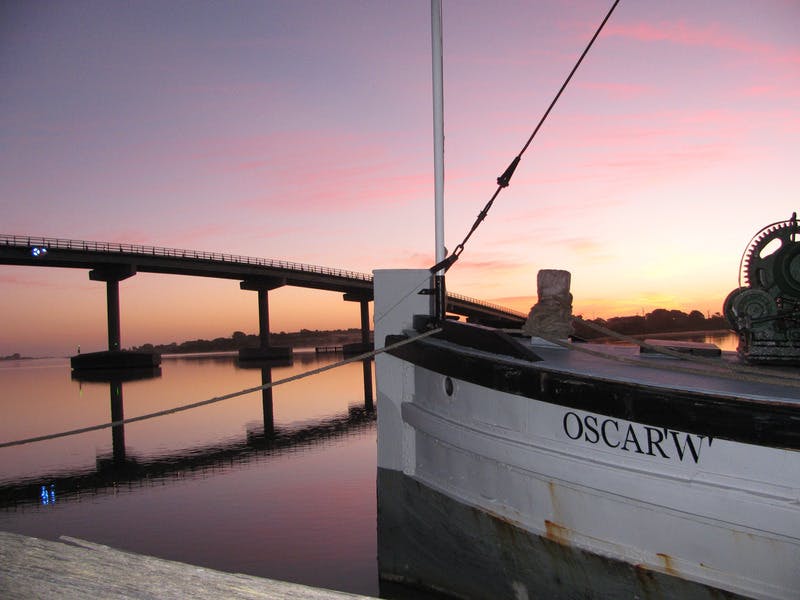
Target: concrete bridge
113,262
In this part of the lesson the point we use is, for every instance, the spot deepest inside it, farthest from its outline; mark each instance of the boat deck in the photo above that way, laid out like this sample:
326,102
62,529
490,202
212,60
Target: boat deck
625,363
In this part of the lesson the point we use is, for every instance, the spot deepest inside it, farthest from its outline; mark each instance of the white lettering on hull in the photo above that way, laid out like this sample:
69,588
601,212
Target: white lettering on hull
661,442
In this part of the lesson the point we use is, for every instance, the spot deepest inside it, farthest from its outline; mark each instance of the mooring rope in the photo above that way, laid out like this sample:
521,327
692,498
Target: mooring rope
184,407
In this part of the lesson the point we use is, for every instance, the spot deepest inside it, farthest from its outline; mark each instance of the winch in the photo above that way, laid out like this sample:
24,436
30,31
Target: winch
765,309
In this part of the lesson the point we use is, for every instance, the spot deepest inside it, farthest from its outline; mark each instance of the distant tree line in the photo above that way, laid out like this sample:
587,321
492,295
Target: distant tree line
299,339
660,320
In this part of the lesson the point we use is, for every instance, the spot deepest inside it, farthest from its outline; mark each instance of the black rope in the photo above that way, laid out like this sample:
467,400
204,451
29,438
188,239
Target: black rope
505,178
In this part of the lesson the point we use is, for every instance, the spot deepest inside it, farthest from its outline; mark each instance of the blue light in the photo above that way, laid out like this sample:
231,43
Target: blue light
48,496
38,251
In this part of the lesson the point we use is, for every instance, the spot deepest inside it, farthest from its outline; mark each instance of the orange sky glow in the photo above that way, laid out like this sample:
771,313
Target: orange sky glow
302,131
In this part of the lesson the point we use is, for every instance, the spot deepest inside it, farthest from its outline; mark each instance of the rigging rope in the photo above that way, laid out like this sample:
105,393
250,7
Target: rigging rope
216,399
505,178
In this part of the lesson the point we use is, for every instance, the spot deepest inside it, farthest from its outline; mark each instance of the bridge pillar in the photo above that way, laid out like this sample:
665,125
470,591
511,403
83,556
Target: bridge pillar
264,350
114,357
112,276
363,298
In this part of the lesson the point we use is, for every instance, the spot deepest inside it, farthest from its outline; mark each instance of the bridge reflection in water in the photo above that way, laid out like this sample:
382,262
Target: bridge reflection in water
120,469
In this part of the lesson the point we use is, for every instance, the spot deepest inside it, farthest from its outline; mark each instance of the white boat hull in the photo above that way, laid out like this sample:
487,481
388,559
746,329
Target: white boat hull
688,508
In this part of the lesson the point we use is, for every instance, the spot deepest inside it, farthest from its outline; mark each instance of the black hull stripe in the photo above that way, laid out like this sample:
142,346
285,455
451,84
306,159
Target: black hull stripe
724,417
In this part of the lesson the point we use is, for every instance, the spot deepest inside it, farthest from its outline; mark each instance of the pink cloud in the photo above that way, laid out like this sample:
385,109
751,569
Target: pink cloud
491,266
417,260
636,130
590,250
194,238
786,89
691,157
6,278
125,236
633,162
761,90
300,146
477,275
712,36
320,171
687,141
339,188
536,215
619,91
198,235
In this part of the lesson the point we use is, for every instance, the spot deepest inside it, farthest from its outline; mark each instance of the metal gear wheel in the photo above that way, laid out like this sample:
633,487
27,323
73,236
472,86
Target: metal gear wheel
751,309
772,261
727,308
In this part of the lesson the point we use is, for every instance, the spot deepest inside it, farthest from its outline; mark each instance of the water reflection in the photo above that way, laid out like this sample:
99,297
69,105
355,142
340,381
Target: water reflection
115,378
121,469
48,496
209,486
113,472
727,341
367,368
265,366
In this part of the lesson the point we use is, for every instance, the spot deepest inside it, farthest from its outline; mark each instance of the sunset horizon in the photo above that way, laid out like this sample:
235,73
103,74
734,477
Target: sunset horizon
302,132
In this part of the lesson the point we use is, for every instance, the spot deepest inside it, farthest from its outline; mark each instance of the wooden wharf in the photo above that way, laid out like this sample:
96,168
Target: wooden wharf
73,568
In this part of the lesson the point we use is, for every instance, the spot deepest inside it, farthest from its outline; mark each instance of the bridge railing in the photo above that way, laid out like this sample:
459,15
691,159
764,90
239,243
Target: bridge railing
85,245
135,249
496,307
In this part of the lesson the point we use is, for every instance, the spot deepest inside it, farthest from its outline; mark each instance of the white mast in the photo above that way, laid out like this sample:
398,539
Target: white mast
438,126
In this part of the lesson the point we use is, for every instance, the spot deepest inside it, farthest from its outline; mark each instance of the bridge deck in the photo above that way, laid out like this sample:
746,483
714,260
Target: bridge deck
83,254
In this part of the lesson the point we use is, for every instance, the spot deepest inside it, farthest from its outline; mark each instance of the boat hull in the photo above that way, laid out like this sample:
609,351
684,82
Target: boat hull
426,539
563,491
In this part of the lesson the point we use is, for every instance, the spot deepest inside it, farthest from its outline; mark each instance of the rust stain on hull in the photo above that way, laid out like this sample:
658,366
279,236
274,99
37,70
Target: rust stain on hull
668,564
557,533
554,531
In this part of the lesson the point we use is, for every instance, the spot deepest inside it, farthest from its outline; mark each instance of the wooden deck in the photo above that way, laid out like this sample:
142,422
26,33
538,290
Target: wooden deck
35,568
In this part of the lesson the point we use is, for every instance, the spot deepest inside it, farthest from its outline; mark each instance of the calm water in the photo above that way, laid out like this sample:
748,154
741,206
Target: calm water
207,486
287,493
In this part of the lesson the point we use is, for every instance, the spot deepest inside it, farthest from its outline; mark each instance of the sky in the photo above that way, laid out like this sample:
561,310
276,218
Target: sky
302,130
